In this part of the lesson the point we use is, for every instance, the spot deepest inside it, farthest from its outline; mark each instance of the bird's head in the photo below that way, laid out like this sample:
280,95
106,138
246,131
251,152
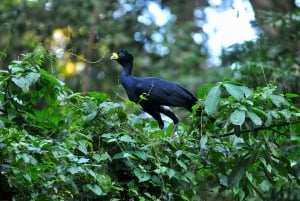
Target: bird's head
122,57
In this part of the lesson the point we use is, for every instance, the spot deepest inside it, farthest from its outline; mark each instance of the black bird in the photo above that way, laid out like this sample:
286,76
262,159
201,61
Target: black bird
153,93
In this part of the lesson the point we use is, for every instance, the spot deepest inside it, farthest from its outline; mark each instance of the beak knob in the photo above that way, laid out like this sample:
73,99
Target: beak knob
114,56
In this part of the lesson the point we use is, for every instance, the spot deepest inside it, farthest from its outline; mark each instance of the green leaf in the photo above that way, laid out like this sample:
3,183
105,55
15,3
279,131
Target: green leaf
97,95
265,185
237,117
203,91
82,146
171,173
181,164
279,166
141,175
144,96
127,138
294,154
95,188
83,160
27,177
14,68
161,170
254,118
25,82
259,112
178,153
100,157
238,171
212,100
141,154
278,100
122,155
291,95
203,141
247,92
90,116
75,169
224,180
89,107
234,90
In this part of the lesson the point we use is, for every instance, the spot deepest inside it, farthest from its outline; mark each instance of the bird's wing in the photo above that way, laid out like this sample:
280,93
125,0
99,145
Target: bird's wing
162,92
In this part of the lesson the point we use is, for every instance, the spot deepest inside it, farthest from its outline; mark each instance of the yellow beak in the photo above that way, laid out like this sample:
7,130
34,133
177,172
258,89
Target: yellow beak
114,56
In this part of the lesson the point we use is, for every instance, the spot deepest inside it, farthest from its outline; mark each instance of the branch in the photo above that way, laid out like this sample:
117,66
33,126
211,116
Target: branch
256,129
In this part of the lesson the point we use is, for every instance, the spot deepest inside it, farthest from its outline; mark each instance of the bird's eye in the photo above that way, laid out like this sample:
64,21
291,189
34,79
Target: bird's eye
121,54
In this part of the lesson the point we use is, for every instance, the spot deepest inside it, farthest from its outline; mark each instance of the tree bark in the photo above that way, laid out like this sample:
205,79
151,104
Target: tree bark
260,6
89,50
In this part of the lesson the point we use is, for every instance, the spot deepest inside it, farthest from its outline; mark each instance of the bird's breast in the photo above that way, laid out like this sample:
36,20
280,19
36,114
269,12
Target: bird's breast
129,85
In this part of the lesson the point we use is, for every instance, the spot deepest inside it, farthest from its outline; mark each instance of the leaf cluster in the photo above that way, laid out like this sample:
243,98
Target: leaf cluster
250,137
59,145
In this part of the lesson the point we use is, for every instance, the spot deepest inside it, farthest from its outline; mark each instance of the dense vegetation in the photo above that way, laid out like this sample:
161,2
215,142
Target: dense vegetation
60,145
68,132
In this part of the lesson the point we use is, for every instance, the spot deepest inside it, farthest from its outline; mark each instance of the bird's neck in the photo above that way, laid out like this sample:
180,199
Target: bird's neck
127,70
127,79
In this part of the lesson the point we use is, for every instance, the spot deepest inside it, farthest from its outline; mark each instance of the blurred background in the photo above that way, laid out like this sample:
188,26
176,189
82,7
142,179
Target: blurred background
191,42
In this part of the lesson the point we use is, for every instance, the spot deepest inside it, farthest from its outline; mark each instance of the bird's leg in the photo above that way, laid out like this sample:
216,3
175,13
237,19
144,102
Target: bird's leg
170,114
174,130
156,116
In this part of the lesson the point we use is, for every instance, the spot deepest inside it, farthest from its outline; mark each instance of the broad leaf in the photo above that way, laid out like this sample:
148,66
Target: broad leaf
212,100
25,82
141,175
127,138
238,171
27,177
265,185
291,95
95,188
224,180
171,173
247,92
90,116
234,90
75,169
82,147
83,160
254,118
203,141
278,100
181,164
141,155
122,155
203,91
237,117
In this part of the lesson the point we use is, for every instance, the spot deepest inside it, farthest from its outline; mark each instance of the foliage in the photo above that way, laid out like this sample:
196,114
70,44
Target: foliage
60,145
56,144
271,60
250,139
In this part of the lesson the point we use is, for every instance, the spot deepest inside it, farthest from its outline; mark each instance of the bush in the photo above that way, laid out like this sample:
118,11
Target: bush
59,145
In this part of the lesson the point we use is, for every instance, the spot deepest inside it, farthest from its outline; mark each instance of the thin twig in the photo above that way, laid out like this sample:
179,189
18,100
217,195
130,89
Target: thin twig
256,129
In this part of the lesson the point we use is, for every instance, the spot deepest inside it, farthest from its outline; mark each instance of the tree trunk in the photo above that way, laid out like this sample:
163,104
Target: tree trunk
261,6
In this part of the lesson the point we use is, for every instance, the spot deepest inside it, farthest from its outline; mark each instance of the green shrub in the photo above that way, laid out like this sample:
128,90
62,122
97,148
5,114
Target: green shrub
60,145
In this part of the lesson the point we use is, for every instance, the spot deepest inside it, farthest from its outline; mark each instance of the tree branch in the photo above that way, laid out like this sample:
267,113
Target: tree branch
256,129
